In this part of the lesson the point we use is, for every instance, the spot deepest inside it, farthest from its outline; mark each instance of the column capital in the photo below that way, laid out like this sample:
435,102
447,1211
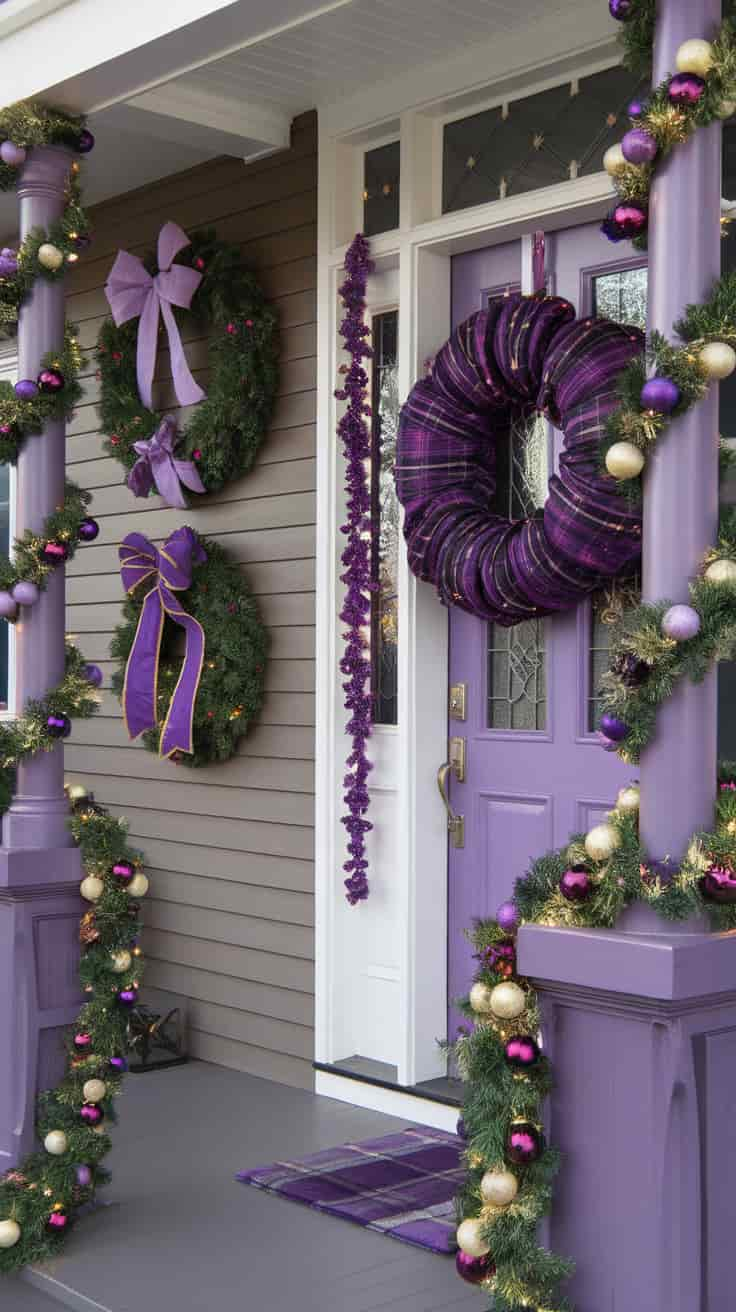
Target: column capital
45,171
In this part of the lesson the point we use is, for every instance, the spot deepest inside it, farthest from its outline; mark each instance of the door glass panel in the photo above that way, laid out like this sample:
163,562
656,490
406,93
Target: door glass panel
622,296
516,668
384,519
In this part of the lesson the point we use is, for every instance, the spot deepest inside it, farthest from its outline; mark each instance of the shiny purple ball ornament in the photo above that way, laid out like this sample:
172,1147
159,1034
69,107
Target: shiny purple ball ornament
58,726
26,389
54,553
614,728
88,530
605,742
639,146
636,108
508,917
660,395
83,1176
8,262
128,997
681,623
686,89
719,884
474,1269
25,593
91,1113
524,1143
50,381
12,155
119,1065
124,871
93,674
625,222
521,1052
8,606
86,142
620,9
575,884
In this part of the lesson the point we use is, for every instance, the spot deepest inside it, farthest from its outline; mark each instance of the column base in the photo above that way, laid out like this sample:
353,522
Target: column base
40,996
641,1032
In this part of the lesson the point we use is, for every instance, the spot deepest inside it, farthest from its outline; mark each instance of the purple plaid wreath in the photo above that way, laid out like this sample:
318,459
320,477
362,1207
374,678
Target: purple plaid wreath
522,354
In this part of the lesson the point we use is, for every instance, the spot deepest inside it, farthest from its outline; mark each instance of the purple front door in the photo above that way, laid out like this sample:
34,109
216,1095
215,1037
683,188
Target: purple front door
534,772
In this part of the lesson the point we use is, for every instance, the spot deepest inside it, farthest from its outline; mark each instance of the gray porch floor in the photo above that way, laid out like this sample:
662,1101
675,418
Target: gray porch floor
180,1235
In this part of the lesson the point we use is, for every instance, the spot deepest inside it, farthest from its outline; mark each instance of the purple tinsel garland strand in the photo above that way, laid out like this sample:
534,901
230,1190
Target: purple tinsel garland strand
355,614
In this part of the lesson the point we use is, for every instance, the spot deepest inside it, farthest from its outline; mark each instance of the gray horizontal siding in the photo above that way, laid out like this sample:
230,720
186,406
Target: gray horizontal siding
229,848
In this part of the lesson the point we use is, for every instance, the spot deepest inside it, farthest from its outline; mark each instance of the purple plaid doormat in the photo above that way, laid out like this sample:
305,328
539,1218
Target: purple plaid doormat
402,1185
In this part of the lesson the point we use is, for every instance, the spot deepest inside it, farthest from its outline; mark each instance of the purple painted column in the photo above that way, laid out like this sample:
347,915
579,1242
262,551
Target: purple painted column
678,770
40,867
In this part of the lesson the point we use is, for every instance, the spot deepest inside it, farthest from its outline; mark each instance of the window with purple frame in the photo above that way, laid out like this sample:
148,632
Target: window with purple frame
384,518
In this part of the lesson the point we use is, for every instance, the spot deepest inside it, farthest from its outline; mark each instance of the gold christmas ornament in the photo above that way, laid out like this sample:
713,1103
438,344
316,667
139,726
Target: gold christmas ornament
9,1233
120,961
50,256
695,56
470,1238
56,1143
727,109
718,360
629,798
88,931
499,1188
601,842
92,888
480,997
721,571
624,460
508,1001
138,886
94,1090
614,161
76,792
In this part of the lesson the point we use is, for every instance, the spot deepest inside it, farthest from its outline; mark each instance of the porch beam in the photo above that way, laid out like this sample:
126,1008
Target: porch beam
190,116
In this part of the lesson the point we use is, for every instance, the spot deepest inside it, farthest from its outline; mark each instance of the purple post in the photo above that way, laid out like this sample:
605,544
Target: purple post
40,867
640,1021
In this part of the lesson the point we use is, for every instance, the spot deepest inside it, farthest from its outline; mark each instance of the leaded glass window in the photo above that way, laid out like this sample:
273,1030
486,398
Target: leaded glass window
622,296
381,177
535,141
384,519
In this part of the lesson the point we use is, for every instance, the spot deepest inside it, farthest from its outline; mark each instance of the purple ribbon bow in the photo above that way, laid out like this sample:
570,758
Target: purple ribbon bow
170,571
133,292
157,466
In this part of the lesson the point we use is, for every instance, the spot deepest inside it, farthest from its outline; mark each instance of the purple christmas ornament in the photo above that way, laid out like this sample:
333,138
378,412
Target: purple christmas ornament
12,155
524,1143
575,884
119,1065
54,553
88,529
83,1176
719,884
636,108
82,1042
639,146
58,1221
93,674
660,395
613,728
128,997
26,389
686,89
521,1052
8,262
58,726
460,1129
91,1113
85,142
25,593
474,1269
620,9
8,606
124,871
50,380
508,917
625,222
606,743
681,623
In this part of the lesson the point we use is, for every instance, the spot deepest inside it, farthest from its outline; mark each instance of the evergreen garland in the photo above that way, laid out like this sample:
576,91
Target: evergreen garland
20,419
236,646
28,733
227,428
27,564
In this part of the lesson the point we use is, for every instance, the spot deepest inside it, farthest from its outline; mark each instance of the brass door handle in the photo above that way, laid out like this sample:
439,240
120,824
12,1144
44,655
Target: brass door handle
455,823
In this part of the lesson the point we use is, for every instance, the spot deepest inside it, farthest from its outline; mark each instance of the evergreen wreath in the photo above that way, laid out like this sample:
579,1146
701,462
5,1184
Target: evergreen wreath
42,254
42,1197
24,411
231,688
226,430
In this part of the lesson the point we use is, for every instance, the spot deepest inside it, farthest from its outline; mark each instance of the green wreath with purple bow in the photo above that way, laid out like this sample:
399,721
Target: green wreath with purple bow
194,287
191,651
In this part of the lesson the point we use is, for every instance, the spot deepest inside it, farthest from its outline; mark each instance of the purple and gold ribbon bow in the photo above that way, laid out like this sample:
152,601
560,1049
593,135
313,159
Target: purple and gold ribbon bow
132,292
169,570
158,466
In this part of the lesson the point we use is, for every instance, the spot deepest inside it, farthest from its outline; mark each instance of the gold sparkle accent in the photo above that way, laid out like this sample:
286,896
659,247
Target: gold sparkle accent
538,140
471,162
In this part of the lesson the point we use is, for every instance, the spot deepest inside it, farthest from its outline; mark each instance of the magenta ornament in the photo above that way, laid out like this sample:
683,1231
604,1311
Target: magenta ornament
620,9
8,606
686,89
25,593
26,389
8,262
82,1042
88,530
58,1221
524,1143
508,917
614,728
639,146
522,1051
93,674
119,1065
474,1269
83,1176
91,1113
12,155
631,220
719,884
660,394
50,381
54,553
86,142
124,871
635,108
575,884
681,623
